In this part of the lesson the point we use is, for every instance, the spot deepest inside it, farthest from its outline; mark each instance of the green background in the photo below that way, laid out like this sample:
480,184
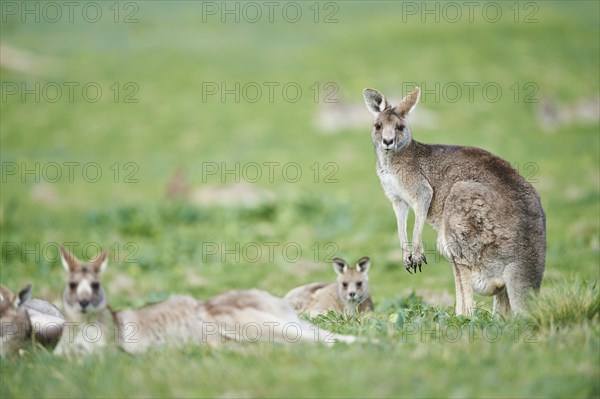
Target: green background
155,63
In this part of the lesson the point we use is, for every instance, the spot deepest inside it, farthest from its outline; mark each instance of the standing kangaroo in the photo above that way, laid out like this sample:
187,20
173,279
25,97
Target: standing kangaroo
489,219
350,293
241,316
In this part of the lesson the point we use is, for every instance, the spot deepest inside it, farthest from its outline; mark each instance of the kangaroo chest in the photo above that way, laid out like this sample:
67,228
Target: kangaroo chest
394,183
84,337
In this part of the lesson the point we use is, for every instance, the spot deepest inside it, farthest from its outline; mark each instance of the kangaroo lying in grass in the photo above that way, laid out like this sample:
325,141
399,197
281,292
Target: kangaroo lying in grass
24,319
489,219
240,316
349,294
15,325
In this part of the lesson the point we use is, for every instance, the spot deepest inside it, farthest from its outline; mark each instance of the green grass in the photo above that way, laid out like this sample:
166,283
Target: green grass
159,245
566,305
417,350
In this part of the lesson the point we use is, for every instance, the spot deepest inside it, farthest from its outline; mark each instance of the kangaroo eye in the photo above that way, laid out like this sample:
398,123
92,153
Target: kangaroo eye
345,285
378,126
95,286
359,284
72,286
399,128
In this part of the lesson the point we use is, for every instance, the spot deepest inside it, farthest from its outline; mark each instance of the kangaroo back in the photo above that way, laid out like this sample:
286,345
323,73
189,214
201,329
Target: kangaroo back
175,321
255,315
314,298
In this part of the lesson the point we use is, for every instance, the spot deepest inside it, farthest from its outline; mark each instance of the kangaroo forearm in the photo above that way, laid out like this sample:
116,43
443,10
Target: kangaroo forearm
421,210
417,236
401,211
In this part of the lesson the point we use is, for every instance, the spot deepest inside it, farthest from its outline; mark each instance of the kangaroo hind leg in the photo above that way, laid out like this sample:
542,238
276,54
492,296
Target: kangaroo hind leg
465,305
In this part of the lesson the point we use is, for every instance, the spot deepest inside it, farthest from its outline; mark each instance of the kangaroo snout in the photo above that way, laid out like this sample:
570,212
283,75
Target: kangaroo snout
84,303
387,143
352,294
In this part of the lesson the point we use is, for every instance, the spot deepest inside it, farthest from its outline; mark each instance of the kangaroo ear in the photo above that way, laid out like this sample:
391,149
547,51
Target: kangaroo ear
69,261
340,266
376,102
23,296
100,262
408,103
363,265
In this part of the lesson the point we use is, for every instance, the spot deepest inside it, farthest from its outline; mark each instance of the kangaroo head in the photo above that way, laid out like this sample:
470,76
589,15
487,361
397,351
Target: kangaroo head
15,325
83,293
390,129
353,285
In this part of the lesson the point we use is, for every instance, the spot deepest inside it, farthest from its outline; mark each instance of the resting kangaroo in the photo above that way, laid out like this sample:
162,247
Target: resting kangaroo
15,325
248,316
489,219
23,319
350,293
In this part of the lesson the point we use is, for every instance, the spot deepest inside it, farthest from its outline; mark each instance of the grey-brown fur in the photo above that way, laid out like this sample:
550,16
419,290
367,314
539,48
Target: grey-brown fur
349,294
92,324
172,322
47,321
15,325
253,315
240,316
489,219
25,320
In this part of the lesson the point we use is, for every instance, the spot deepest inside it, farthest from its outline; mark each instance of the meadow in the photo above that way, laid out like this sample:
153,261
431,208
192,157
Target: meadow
212,146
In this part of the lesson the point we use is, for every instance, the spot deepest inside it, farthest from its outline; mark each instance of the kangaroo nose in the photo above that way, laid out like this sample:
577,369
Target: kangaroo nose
388,141
352,294
84,303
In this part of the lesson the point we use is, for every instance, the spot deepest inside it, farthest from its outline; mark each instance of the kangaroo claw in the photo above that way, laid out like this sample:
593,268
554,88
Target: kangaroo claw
413,262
